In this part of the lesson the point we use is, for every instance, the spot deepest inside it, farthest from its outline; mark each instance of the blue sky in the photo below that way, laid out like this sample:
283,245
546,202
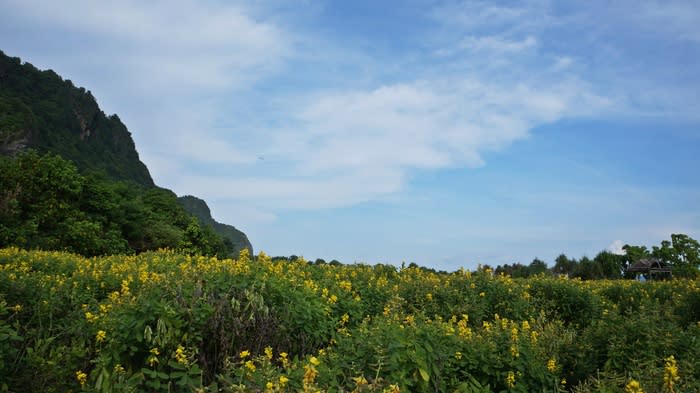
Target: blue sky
446,133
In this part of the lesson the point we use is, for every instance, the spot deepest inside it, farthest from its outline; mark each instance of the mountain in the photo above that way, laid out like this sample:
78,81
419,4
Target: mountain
199,209
41,111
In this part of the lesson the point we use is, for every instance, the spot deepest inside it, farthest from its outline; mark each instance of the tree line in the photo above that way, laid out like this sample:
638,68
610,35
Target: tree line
681,253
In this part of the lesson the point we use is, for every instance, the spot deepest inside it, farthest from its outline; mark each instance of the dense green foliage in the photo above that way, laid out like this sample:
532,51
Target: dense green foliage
45,203
41,111
163,322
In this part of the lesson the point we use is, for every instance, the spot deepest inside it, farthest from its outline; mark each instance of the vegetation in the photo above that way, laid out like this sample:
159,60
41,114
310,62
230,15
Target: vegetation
46,204
41,111
106,313
162,321
682,254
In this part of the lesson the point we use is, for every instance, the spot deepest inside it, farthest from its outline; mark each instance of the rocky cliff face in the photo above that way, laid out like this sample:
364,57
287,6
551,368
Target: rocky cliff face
199,209
41,111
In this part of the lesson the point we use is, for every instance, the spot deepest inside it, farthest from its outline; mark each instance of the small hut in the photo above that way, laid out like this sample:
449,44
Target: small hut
651,268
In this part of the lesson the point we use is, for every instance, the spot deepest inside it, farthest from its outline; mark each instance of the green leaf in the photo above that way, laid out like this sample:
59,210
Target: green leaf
424,374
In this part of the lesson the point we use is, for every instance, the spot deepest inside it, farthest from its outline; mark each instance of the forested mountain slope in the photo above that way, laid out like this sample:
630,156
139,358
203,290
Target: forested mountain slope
72,178
41,111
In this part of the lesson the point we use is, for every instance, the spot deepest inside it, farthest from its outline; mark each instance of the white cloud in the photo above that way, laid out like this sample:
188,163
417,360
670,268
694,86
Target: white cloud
496,44
355,146
562,63
283,192
168,45
616,247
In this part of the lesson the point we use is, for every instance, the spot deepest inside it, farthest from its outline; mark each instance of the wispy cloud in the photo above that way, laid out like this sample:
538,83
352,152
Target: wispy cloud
171,45
679,19
489,45
350,147
478,15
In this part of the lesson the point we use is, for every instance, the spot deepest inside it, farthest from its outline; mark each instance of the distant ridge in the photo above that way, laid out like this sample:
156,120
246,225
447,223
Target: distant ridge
199,209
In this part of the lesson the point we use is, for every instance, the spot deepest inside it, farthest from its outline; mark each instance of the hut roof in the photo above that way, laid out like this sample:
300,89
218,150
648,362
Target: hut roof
648,265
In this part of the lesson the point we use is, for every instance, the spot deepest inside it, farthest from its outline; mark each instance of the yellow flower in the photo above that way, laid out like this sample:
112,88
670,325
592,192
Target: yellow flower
81,377
360,381
482,294
250,365
16,308
526,325
670,373
100,336
153,358
180,355
91,317
114,296
244,354
269,386
551,365
310,374
514,351
125,287
510,380
458,355
283,380
268,353
313,360
394,388
533,336
514,333
633,386
104,308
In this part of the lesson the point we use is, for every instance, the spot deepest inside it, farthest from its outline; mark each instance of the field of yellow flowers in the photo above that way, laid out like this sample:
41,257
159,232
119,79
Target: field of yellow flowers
164,322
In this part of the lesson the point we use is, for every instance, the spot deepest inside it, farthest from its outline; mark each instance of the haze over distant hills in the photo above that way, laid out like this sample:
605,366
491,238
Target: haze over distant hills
40,111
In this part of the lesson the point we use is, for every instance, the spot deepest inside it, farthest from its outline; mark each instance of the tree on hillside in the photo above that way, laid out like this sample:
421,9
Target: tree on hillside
45,203
40,207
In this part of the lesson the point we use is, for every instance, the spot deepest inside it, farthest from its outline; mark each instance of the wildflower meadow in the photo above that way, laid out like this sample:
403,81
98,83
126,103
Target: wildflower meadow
166,322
